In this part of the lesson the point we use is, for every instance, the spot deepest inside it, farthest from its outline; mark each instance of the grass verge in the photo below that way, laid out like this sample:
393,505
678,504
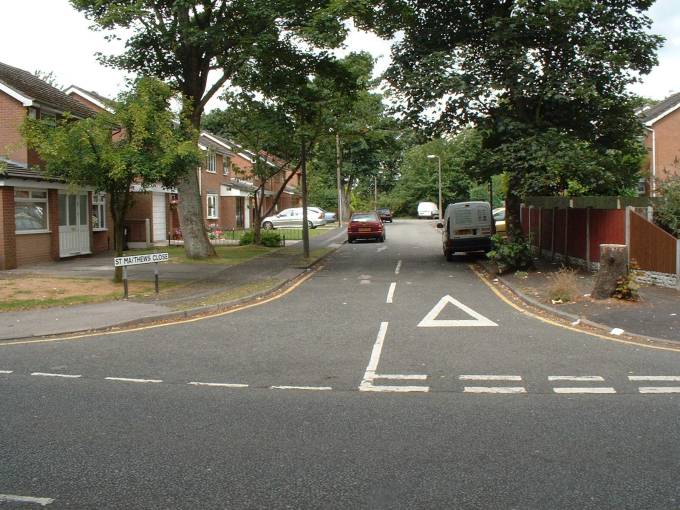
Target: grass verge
226,255
231,294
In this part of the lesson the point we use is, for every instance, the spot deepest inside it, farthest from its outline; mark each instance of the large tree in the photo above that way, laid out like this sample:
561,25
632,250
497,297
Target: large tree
201,45
139,142
534,76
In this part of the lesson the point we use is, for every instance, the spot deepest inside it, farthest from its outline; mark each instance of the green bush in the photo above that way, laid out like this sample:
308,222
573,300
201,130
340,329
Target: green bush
667,211
269,238
510,255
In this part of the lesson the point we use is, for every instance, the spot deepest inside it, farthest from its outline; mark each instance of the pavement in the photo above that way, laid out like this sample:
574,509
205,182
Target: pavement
207,282
655,315
390,378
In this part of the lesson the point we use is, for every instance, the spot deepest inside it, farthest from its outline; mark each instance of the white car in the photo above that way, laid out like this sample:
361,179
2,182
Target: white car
292,218
428,210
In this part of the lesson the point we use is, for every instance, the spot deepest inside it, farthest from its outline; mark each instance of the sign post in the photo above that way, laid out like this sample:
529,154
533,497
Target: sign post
134,260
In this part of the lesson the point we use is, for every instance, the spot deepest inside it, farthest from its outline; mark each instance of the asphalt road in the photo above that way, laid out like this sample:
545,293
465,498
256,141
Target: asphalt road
355,390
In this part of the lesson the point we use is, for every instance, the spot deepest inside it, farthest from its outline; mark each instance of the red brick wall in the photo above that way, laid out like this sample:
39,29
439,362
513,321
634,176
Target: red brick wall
7,237
12,114
142,207
667,132
33,248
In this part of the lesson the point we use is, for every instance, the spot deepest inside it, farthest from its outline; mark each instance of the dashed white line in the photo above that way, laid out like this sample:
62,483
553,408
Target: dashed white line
312,388
494,389
47,374
393,389
6,371
581,378
584,390
220,385
654,377
659,389
381,248
390,292
490,377
128,379
398,268
414,377
13,498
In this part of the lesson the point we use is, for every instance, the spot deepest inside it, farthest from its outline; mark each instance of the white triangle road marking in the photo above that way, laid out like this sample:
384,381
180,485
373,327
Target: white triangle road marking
431,321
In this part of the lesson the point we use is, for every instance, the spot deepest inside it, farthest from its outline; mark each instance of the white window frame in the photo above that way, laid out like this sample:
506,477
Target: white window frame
33,200
210,197
226,163
211,162
99,204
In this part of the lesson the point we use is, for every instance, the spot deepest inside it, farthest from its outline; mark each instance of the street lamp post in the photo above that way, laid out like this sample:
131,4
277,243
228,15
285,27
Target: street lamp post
439,161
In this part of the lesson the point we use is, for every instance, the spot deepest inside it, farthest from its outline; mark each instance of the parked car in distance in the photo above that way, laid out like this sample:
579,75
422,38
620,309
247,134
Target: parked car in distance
468,226
385,214
365,225
428,210
329,216
292,218
499,218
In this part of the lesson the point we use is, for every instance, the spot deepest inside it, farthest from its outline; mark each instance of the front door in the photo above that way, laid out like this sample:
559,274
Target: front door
74,224
240,206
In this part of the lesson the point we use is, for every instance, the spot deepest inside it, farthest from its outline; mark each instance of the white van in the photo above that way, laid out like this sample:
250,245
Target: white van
468,226
428,210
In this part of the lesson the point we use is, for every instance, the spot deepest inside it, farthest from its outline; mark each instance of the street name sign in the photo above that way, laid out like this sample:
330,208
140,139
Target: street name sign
133,260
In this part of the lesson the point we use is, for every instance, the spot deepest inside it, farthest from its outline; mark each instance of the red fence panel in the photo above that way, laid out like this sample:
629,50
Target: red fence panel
651,247
607,226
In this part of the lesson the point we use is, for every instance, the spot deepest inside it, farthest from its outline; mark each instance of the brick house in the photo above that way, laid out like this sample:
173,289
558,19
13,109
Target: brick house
662,139
41,218
226,186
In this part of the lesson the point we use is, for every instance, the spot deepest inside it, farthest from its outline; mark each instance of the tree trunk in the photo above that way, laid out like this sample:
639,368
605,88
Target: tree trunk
303,176
257,223
513,203
191,220
613,265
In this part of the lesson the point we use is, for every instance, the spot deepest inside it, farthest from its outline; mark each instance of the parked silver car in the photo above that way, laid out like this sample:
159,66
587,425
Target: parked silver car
292,218
330,217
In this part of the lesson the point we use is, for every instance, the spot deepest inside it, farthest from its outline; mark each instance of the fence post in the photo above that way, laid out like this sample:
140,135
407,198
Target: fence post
677,263
566,235
552,234
147,231
588,238
540,230
627,227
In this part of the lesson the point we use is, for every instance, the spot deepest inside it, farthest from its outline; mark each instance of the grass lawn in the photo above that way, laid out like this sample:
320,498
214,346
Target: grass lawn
30,292
226,255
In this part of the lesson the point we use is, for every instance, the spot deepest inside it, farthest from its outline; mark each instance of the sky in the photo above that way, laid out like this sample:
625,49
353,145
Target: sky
51,36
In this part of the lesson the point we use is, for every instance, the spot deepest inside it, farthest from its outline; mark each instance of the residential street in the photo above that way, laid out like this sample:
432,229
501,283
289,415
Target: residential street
355,390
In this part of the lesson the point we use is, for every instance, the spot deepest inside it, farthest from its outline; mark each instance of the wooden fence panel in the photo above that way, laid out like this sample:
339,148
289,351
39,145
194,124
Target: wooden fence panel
576,244
136,231
607,226
651,247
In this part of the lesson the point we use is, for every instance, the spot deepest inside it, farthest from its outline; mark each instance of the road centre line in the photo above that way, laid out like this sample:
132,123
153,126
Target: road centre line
398,268
390,292
220,385
584,390
654,377
128,379
47,374
393,389
494,389
312,388
581,378
659,389
6,371
13,498
490,377
377,350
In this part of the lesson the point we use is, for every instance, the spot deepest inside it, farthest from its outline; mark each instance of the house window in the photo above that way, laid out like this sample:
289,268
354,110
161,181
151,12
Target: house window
212,207
226,163
99,211
211,163
30,210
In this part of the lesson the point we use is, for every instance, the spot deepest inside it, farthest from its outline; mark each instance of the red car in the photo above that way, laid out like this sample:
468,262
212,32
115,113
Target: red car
365,225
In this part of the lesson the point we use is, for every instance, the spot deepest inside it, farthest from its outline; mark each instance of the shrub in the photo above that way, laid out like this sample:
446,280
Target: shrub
563,286
269,238
510,254
626,286
667,211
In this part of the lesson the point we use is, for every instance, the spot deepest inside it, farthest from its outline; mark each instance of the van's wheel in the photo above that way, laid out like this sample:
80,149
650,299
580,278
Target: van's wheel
267,225
448,254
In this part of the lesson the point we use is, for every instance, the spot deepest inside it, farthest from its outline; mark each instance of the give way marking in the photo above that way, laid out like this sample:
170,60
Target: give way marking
431,321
